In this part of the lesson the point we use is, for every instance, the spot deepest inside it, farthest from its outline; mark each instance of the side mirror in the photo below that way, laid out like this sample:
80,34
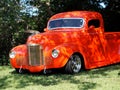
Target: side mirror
45,29
91,27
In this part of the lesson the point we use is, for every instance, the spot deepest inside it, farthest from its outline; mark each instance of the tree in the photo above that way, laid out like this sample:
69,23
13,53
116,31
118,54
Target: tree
8,22
13,22
110,9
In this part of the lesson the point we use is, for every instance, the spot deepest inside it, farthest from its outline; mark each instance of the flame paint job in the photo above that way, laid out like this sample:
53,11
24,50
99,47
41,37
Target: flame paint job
97,47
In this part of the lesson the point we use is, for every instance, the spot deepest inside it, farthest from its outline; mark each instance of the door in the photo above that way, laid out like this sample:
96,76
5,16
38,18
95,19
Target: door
95,44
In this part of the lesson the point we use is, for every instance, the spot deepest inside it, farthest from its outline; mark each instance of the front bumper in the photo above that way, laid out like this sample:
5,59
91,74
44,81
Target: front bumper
34,59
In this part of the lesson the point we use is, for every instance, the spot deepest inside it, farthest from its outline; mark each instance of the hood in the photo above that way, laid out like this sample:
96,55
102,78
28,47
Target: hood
53,37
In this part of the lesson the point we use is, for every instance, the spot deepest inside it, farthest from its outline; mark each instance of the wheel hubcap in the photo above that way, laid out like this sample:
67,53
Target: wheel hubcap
76,63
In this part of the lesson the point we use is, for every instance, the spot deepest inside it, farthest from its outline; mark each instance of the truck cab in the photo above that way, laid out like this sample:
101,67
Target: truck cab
72,41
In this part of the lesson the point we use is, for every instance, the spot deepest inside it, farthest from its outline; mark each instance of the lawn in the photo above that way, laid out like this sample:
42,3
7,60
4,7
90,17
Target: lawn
105,78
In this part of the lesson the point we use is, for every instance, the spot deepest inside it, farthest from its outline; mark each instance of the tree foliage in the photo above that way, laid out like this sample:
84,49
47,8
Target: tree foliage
8,24
110,9
14,20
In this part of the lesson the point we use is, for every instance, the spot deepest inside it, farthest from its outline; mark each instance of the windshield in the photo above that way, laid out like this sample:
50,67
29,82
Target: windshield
66,23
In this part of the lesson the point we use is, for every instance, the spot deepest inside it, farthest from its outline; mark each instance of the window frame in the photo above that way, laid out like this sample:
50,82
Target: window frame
95,22
65,27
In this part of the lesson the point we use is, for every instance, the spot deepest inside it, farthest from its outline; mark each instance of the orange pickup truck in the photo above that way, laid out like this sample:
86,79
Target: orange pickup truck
71,41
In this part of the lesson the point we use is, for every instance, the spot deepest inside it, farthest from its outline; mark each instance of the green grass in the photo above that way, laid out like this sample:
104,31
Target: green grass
105,78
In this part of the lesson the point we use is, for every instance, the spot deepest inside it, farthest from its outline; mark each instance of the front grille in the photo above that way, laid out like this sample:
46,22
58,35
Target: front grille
35,54
21,60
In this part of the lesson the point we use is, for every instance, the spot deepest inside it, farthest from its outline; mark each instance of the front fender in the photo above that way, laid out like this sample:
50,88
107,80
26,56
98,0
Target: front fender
20,56
65,51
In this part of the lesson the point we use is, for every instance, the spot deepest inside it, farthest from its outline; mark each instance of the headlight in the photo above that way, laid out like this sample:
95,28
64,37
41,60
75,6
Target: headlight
12,54
55,53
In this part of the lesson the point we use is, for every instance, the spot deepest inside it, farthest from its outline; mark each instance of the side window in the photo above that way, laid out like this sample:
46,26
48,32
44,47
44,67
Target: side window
94,22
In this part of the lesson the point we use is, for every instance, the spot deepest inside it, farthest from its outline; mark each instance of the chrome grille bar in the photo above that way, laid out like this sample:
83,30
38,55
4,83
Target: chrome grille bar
35,54
21,60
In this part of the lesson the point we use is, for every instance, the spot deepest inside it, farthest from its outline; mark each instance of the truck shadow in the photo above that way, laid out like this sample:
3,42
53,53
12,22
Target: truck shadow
104,71
20,81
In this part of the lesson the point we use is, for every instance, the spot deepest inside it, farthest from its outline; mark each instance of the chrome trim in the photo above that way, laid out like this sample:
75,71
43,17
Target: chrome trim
21,60
66,27
35,54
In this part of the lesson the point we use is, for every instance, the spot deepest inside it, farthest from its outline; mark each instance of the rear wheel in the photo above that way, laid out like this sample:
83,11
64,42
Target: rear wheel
74,65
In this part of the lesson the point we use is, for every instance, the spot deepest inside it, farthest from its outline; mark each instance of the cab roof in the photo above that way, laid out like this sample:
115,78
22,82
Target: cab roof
78,14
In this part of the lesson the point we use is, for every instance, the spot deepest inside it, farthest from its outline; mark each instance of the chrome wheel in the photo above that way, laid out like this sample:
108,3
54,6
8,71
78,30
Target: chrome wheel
74,64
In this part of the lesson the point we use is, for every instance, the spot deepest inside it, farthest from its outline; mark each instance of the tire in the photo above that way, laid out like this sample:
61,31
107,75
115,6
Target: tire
74,64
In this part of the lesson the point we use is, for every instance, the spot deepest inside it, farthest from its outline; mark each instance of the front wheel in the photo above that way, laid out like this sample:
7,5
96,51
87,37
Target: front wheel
74,64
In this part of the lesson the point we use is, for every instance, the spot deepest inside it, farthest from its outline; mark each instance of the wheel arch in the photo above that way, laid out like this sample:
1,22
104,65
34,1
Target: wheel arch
67,51
82,58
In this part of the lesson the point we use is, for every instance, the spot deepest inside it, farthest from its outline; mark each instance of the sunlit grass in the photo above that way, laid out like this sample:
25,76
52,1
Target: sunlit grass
106,78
